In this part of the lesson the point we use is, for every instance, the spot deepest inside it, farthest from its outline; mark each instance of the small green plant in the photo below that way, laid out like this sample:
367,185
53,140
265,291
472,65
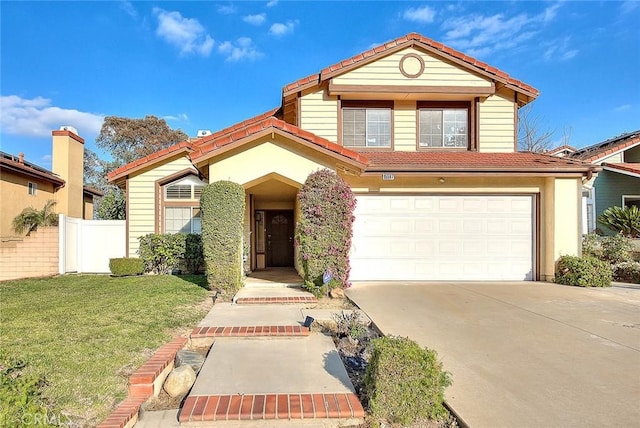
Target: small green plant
583,272
591,246
161,252
627,272
625,220
405,383
30,218
126,266
349,324
20,394
617,249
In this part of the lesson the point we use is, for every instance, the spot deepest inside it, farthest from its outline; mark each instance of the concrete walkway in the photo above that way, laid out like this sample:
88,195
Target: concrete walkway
522,354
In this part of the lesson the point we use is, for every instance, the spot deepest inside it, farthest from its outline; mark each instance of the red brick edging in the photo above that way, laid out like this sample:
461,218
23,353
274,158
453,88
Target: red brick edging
270,406
141,384
278,300
250,331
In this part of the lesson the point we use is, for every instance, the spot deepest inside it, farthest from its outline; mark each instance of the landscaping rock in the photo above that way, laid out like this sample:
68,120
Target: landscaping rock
191,358
336,293
179,381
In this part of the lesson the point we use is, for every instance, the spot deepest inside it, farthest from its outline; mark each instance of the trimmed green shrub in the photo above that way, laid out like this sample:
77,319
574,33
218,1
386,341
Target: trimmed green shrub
193,255
583,272
324,230
126,266
625,220
222,204
21,395
627,272
404,382
161,252
617,249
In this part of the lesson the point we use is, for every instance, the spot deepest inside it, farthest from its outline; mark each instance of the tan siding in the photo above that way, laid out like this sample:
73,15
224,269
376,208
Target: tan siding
497,125
386,71
616,158
319,114
142,200
404,124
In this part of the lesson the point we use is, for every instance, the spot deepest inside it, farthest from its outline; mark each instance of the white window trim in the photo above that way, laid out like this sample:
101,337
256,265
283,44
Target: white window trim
366,127
32,188
624,197
443,109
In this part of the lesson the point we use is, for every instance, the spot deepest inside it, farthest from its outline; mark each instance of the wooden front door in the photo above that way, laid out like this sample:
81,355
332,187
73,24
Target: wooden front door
279,238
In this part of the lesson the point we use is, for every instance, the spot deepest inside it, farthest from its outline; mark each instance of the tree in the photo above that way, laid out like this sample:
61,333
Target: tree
112,206
531,136
129,139
30,218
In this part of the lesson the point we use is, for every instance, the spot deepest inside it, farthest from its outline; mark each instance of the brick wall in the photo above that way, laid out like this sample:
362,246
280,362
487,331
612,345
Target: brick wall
36,255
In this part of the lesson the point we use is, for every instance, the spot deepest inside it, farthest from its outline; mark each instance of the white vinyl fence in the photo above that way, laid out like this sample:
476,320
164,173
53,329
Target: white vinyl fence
87,245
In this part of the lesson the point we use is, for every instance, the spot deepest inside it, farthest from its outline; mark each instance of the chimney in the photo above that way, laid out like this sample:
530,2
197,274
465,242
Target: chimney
68,163
21,157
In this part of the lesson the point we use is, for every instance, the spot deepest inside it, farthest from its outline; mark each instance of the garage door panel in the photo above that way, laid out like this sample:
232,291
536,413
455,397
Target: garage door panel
443,238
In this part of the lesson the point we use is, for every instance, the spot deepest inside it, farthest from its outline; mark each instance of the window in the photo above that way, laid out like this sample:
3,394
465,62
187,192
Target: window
182,220
444,127
366,127
33,188
631,200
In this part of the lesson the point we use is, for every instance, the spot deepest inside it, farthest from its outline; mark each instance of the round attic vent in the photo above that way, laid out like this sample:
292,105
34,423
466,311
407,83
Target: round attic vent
411,65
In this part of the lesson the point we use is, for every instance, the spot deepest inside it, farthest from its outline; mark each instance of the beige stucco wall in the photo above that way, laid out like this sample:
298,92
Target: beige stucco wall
141,199
496,130
68,161
386,71
319,114
14,197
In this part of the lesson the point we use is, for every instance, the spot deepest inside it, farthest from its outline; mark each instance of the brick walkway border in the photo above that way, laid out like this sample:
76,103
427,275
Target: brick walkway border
250,331
278,300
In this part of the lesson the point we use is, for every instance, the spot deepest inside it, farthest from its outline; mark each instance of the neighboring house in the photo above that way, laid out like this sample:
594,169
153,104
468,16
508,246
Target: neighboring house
24,184
619,182
562,151
426,138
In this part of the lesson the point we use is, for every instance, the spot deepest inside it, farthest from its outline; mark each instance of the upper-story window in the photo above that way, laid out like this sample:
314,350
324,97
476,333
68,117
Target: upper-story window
445,126
182,205
366,125
33,189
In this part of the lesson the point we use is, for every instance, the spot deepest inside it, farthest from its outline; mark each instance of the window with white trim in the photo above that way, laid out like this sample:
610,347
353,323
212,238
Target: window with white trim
631,200
181,212
364,127
33,188
182,220
444,127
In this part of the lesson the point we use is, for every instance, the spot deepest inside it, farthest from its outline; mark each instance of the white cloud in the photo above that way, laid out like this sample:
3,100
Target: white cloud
280,29
226,9
623,107
181,117
423,15
242,48
629,6
36,117
128,8
187,34
550,12
272,3
257,19
560,50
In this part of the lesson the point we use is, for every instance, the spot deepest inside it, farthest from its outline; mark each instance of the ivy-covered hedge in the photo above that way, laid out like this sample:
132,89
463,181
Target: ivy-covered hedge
163,252
222,204
324,230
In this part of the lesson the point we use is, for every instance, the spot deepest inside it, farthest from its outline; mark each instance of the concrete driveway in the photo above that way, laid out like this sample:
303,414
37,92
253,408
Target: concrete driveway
522,354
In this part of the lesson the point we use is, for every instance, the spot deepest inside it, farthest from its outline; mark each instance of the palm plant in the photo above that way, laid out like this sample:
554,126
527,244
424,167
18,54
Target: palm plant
30,218
625,220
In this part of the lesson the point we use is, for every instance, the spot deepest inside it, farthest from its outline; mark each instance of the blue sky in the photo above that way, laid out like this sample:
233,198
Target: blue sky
208,65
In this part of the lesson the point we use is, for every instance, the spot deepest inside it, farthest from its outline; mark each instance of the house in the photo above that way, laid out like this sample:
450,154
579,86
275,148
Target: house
24,184
426,138
619,182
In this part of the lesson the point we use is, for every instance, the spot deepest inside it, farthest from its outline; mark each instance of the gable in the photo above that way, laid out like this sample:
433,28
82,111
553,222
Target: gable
411,67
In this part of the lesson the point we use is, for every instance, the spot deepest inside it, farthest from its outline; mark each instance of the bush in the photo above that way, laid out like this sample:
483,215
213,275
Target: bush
617,249
404,382
627,272
161,252
193,256
324,230
625,220
222,204
583,272
20,395
126,266
591,245
348,324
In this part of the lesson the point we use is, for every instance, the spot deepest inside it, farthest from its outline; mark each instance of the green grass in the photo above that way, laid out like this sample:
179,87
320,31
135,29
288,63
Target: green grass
86,334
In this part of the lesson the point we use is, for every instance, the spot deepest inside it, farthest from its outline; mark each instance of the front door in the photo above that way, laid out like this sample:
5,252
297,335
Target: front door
279,238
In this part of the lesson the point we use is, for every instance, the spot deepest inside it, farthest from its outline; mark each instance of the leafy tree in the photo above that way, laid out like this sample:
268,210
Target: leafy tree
112,206
30,218
129,139
531,136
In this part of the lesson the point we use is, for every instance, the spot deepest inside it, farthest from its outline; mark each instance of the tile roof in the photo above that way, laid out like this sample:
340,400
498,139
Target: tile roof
400,42
560,149
142,162
633,168
10,162
607,147
472,162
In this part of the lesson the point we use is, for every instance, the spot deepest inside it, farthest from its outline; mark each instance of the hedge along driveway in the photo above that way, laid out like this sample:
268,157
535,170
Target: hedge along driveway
86,334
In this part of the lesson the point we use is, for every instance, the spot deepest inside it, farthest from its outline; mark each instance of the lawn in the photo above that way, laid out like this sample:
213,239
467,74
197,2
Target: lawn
86,333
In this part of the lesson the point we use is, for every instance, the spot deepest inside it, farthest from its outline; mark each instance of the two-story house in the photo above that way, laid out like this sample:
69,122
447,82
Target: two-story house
426,138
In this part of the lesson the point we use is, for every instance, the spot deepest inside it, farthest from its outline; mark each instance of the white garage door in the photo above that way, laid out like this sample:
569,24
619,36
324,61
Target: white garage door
443,238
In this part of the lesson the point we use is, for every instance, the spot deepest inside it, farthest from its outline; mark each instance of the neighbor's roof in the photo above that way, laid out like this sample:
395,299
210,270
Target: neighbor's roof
92,191
629,168
411,39
609,147
562,148
13,164
473,162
